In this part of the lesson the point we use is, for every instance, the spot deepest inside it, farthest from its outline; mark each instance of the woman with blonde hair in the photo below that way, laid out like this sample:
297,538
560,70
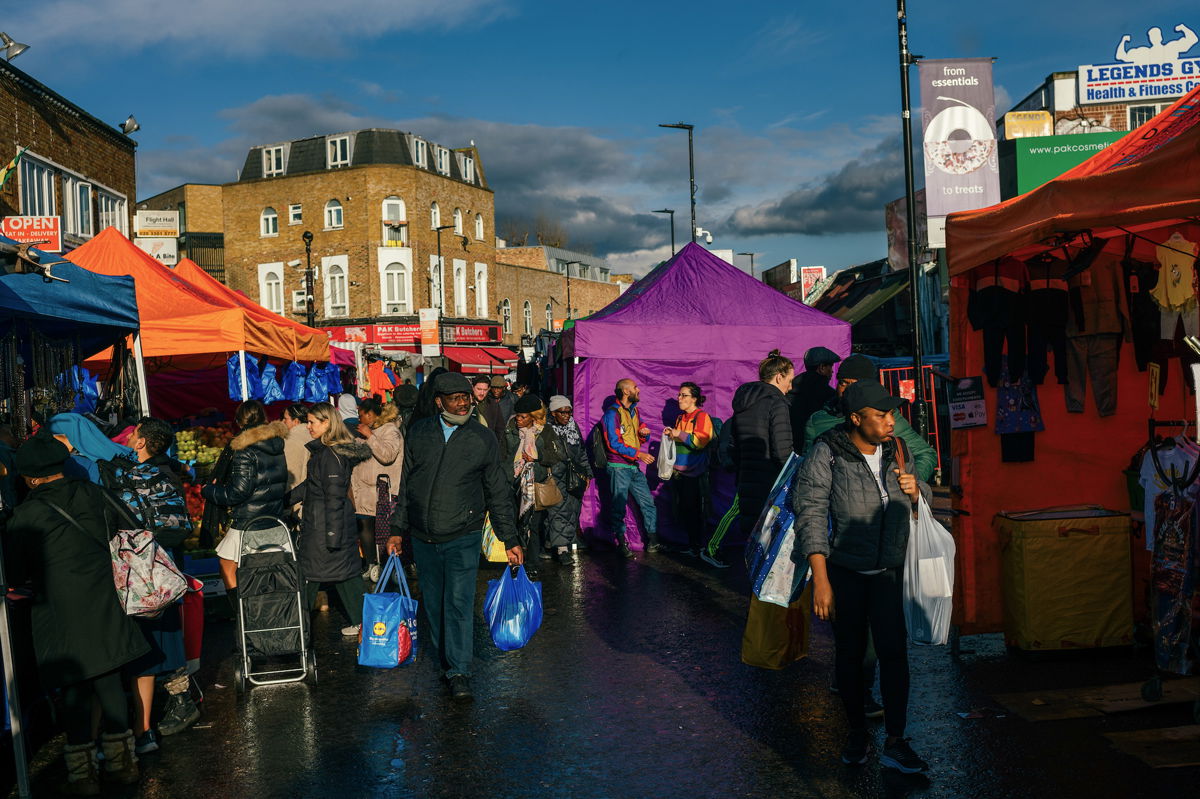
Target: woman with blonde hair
378,426
328,545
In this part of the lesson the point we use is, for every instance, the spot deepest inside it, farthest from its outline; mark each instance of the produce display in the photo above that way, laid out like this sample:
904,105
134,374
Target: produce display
199,448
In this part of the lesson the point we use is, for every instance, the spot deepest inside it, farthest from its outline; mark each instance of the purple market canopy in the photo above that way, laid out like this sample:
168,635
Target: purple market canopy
695,317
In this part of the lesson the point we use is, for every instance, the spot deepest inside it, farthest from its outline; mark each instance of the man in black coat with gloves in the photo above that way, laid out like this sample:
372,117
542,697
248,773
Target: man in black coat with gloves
452,477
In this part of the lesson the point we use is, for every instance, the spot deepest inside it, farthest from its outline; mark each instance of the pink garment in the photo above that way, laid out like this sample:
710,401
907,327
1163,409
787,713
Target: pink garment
122,437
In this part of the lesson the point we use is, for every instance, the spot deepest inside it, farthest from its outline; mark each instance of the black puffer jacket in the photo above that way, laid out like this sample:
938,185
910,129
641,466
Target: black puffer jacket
448,486
839,511
329,508
258,475
761,442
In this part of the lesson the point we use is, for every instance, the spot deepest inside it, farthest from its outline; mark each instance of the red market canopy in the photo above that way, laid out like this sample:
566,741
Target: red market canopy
474,360
310,344
1146,180
177,318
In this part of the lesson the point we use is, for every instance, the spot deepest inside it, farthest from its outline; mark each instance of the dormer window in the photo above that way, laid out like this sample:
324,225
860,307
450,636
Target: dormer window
272,161
443,160
420,153
339,152
468,169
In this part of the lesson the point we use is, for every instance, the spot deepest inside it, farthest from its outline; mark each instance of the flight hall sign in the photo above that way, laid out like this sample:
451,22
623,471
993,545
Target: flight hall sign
1160,69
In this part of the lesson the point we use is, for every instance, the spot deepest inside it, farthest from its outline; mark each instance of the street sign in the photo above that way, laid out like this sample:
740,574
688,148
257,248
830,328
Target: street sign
156,224
430,346
165,251
32,229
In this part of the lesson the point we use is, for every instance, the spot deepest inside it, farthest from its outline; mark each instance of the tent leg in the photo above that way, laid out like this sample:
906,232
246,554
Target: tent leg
242,370
15,721
139,366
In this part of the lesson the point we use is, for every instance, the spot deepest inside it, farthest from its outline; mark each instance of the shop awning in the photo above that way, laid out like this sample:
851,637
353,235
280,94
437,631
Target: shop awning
502,354
474,360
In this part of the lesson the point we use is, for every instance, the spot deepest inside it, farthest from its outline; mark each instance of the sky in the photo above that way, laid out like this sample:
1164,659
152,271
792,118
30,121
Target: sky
795,105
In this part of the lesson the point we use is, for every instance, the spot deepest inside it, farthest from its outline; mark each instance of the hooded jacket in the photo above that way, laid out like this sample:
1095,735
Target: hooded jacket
328,543
448,486
810,392
761,442
622,438
386,443
258,475
839,511
925,458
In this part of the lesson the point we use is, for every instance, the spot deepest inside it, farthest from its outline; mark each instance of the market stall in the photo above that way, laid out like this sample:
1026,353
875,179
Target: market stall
695,317
1073,303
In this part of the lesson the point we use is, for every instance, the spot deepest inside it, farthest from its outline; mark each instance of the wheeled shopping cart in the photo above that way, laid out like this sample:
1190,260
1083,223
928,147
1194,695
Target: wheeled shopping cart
272,618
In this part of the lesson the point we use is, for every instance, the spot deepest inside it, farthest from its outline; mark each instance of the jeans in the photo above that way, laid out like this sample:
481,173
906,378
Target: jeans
873,602
624,481
447,578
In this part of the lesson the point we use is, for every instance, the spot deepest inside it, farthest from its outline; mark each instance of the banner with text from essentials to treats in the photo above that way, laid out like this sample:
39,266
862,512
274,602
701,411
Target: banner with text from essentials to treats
962,167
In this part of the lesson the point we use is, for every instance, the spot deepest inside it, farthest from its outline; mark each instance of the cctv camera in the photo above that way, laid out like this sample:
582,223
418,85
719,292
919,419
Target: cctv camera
708,238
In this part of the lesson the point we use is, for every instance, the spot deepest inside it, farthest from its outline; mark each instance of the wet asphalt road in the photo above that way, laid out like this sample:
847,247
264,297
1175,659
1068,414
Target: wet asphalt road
634,687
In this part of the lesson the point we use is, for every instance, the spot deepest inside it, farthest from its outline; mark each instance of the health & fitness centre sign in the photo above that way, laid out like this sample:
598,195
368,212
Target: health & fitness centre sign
1156,70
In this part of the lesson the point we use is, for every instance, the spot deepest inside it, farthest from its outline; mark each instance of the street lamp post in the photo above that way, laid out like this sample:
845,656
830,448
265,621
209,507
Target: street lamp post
440,268
751,254
670,211
921,414
580,263
691,169
308,279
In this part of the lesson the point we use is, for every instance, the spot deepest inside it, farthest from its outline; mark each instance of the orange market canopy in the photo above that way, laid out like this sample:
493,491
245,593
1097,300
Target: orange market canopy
176,318
1148,179
310,344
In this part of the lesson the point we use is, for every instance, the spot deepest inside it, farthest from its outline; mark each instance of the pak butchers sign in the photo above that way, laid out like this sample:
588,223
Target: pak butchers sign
1156,70
156,224
34,229
962,168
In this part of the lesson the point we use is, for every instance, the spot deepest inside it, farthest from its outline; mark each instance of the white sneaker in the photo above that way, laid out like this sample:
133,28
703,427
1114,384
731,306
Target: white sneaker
351,631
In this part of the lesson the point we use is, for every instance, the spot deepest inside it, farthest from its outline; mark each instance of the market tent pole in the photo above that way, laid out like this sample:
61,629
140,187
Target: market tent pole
139,365
242,369
16,728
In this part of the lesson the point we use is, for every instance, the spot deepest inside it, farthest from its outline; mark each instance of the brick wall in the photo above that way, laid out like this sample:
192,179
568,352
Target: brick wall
201,203
1112,115
59,133
539,286
532,257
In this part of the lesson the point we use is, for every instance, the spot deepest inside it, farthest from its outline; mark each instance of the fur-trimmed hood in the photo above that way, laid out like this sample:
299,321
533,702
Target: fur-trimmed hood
354,451
257,435
390,413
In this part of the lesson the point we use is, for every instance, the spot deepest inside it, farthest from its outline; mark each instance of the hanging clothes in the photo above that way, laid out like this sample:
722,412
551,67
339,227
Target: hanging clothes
997,307
1173,581
1141,278
1095,326
1047,315
1176,456
1175,292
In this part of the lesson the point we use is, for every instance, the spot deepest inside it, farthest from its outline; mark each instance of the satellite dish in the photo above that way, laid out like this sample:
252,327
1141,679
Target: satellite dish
130,125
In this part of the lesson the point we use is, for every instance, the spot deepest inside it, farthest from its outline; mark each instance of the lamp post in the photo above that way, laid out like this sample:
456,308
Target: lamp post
751,254
308,278
921,415
691,169
441,270
670,211
569,316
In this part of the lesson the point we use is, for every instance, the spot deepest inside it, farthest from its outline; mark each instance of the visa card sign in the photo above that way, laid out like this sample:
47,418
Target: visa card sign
1158,70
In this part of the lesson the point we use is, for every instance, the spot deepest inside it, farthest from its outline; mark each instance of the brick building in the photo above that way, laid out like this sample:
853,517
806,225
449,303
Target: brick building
535,283
201,223
73,165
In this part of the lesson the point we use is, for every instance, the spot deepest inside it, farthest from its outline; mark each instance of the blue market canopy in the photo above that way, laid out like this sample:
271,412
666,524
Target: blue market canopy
94,311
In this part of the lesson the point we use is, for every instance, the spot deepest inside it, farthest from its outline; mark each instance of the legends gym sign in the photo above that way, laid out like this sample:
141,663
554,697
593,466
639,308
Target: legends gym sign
1157,70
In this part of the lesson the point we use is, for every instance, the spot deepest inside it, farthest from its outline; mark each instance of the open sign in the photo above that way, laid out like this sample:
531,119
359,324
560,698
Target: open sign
44,232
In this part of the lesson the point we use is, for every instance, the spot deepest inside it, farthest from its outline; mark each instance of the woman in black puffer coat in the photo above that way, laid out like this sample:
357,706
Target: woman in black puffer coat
255,485
328,544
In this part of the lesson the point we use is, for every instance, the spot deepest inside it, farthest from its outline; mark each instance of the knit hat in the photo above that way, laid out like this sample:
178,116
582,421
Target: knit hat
559,401
858,367
41,456
451,383
405,396
820,356
499,382
528,404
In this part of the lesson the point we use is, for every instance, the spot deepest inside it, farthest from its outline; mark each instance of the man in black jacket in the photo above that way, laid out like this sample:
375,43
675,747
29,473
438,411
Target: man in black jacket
854,498
811,390
452,477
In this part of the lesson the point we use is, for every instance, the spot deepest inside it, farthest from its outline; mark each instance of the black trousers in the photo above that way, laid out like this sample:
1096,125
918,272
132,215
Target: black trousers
873,602
690,499
77,707
366,539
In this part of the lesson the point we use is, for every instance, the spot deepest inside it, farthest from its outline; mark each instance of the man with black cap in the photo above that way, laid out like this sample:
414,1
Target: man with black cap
498,406
452,477
854,498
811,390
853,369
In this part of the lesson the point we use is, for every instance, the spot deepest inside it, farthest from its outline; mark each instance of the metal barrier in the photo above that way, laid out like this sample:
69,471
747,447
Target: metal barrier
899,382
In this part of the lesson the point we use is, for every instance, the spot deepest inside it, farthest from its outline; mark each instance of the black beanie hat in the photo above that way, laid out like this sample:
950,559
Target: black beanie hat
528,404
405,396
858,367
41,456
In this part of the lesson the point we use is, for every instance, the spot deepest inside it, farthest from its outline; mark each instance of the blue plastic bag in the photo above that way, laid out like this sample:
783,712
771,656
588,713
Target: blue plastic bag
333,379
315,389
293,382
513,609
773,576
270,386
389,627
234,372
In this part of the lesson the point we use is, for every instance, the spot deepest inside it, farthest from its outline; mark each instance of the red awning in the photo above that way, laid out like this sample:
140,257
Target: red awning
502,354
473,360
